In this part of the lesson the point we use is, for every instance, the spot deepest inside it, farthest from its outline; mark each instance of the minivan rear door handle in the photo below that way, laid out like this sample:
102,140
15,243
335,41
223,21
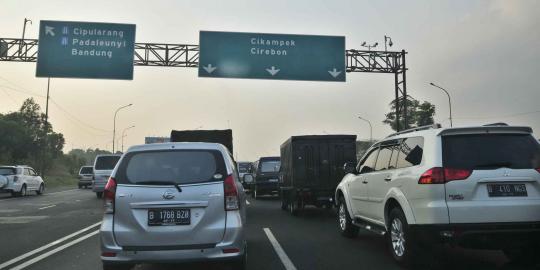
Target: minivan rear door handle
364,182
388,178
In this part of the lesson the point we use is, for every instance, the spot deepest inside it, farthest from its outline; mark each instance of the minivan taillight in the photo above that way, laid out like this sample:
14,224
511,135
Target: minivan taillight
109,194
231,194
438,175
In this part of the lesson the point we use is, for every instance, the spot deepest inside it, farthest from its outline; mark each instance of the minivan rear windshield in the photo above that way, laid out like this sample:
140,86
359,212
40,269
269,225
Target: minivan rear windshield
270,165
491,151
176,166
7,171
106,162
243,167
86,170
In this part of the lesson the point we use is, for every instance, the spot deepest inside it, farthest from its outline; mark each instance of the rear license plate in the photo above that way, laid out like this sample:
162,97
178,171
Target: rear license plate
507,190
167,217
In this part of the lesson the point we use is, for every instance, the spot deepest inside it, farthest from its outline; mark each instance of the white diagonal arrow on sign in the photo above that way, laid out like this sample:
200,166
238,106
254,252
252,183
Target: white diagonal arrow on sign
209,68
273,71
49,30
334,72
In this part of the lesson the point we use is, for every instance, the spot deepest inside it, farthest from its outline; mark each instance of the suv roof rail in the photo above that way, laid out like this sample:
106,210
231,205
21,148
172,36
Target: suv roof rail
433,126
496,124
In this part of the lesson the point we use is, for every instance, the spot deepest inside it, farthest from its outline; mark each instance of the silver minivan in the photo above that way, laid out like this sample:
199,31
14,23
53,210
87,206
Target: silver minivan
103,167
174,202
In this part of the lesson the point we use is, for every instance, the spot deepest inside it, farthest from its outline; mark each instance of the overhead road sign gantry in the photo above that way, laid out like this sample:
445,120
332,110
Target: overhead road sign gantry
85,50
271,56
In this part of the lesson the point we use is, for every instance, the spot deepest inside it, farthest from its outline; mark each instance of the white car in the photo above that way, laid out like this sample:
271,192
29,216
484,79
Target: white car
18,180
476,187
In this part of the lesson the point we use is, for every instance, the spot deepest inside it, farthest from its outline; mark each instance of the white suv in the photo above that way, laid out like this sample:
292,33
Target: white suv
477,187
18,180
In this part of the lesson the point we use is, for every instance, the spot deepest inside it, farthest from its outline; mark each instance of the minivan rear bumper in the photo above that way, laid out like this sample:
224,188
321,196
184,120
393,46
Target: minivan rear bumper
233,238
480,236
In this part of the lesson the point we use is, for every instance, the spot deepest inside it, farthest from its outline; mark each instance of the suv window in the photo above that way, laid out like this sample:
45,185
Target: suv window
244,167
106,162
86,170
32,172
27,171
491,151
7,171
410,152
270,166
368,164
178,166
383,159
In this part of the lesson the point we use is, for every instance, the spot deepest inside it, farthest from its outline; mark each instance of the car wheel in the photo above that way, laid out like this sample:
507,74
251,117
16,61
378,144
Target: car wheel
283,201
400,242
346,227
40,190
99,195
107,266
255,194
22,193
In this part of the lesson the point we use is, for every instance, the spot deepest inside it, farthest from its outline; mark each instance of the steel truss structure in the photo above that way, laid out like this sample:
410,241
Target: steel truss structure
185,55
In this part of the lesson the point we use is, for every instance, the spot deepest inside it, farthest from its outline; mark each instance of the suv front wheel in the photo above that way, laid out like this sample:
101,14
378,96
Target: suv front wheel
400,241
346,226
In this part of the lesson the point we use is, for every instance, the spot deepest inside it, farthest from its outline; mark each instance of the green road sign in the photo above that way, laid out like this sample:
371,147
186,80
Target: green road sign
271,56
85,50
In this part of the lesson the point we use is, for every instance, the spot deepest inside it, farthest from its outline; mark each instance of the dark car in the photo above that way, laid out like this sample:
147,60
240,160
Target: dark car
243,169
265,176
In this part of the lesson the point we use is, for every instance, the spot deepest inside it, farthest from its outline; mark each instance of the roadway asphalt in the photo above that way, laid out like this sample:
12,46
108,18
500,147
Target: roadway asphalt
310,241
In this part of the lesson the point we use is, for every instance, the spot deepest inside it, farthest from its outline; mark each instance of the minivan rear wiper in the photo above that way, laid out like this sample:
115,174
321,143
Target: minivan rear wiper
494,165
176,185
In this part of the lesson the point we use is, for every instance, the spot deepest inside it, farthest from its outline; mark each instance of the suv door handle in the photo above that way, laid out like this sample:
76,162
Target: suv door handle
388,178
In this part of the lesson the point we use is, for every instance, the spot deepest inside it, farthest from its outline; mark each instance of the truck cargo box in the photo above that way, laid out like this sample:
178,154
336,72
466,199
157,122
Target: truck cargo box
212,136
312,167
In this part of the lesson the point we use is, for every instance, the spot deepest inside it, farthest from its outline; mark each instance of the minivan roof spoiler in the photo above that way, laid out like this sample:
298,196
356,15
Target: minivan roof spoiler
486,129
433,126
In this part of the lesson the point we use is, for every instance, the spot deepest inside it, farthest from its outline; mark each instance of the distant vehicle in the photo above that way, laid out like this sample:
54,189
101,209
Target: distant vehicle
243,169
223,137
311,169
103,167
174,202
18,180
86,174
264,177
477,187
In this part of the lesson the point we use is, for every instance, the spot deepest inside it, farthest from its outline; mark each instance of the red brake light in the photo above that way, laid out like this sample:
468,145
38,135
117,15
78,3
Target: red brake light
231,194
438,175
109,194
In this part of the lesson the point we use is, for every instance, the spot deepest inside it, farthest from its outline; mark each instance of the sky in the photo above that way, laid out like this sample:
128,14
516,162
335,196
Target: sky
485,53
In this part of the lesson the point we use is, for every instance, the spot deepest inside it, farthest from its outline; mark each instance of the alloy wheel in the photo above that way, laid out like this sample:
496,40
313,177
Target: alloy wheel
397,236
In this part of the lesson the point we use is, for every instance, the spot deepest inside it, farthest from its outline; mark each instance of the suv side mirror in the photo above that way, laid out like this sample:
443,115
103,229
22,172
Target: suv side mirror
349,167
248,178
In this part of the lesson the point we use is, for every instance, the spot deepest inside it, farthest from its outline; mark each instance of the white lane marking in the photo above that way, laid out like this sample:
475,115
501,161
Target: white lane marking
51,252
13,198
21,219
28,254
247,202
50,206
279,250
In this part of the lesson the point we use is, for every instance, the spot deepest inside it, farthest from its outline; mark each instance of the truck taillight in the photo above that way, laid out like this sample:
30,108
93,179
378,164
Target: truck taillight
438,175
109,195
231,194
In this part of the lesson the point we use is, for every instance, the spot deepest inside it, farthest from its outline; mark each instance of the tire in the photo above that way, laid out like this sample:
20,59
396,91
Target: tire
345,224
40,190
293,207
22,193
283,201
401,244
255,195
107,266
99,195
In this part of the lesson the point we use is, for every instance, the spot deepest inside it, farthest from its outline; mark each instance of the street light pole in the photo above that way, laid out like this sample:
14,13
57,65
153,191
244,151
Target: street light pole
124,131
114,124
449,100
23,32
370,128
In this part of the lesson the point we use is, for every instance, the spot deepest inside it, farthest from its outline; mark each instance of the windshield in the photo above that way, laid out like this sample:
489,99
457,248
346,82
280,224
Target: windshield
7,171
484,152
86,170
179,167
106,162
270,166
243,167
